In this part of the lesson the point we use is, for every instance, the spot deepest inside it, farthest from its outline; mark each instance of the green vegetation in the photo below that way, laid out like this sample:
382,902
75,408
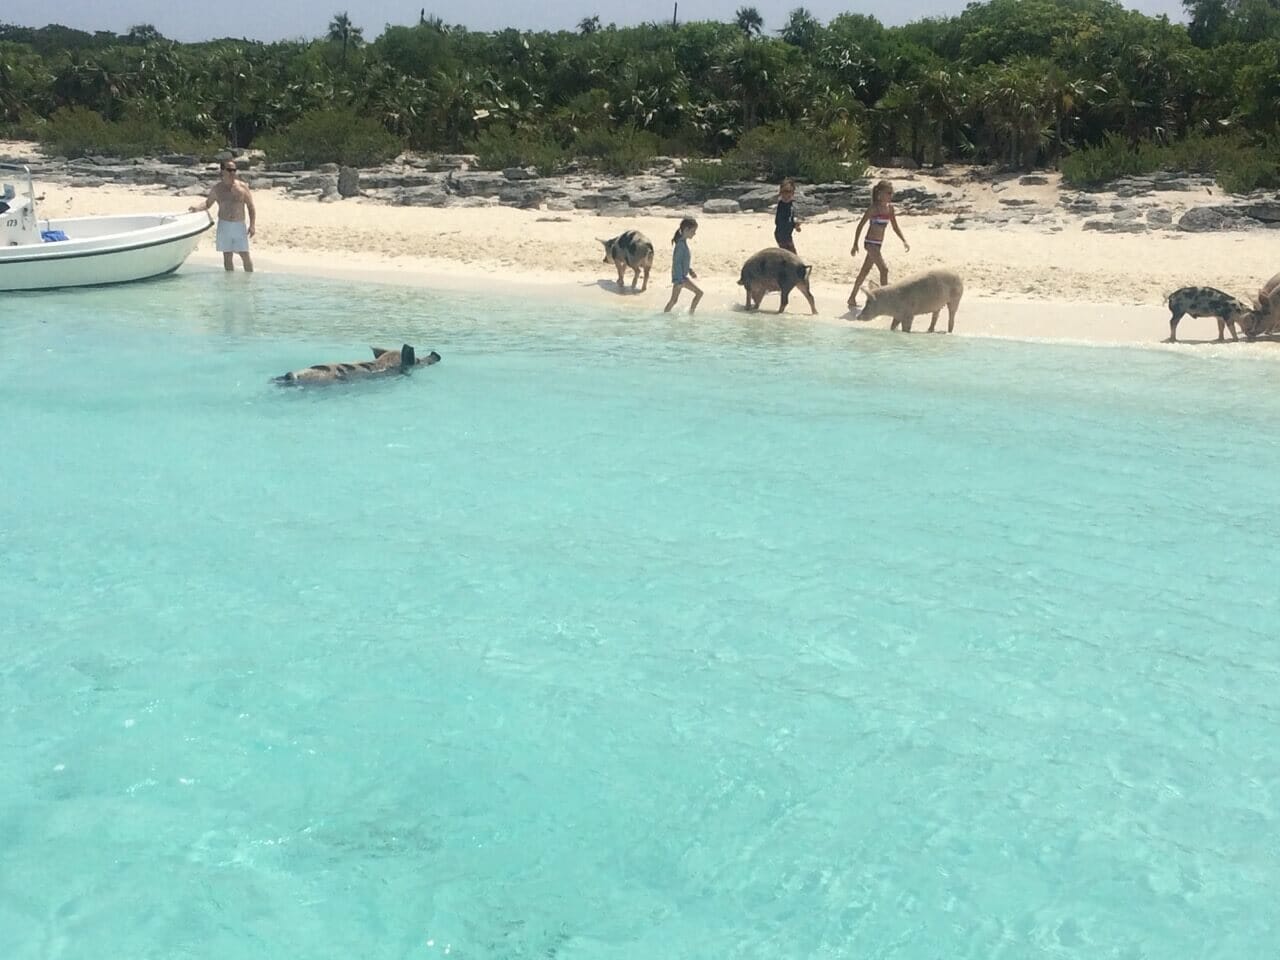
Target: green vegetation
500,147
783,149
709,174
332,136
1089,84
1238,164
80,132
619,150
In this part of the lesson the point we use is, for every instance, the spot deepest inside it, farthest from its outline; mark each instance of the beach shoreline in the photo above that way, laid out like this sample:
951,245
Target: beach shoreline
1025,282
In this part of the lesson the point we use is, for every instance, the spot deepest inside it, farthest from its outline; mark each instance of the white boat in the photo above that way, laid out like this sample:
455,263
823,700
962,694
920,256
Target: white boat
41,254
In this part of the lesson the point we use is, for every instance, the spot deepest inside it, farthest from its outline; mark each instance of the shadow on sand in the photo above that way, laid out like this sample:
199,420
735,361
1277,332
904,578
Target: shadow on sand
612,287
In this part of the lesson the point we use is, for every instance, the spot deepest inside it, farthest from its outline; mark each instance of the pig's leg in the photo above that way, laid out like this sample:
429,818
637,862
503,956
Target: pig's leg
952,307
1231,325
934,322
622,271
785,292
1173,326
804,288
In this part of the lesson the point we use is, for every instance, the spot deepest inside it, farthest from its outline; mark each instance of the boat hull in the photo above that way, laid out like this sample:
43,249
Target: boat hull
103,250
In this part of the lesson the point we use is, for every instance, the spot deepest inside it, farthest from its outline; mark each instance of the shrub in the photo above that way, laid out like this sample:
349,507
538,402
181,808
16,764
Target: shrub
332,136
23,128
622,150
1238,165
1112,158
79,132
497,148
782,149
1252,172
1196,154
709,174
683,143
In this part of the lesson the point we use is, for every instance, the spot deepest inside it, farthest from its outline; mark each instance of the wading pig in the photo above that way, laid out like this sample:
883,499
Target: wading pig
384,363
775,269
926,292
630,249
1264,318
1206,302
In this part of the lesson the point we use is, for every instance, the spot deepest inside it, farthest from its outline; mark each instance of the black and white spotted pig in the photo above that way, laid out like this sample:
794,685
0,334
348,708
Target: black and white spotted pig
1205,302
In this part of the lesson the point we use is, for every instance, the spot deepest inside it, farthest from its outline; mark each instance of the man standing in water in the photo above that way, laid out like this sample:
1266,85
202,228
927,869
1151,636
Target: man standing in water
233,199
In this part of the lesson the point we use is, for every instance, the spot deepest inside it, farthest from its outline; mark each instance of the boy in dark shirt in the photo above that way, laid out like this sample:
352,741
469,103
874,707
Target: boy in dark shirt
784,221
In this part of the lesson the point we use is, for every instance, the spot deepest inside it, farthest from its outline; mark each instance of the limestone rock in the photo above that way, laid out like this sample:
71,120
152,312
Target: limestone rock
348,182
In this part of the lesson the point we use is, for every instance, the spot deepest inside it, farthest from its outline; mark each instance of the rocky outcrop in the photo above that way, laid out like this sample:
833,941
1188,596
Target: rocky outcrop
1131,204
349,182
441,181
1201,220
1116,226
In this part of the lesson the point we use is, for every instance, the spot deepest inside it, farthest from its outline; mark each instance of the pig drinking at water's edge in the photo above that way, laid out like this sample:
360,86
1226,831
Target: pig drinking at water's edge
924,293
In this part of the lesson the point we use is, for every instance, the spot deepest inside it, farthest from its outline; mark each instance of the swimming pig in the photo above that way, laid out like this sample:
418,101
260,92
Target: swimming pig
927,292
1207,302
775,269
384,363
630,248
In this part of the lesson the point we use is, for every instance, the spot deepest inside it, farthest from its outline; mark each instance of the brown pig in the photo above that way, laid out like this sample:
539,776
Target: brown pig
384,363
926,292
1264,318
775,269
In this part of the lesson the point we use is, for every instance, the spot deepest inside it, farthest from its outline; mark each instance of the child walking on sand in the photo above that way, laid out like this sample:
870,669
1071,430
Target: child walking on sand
784,221
682,265
881,215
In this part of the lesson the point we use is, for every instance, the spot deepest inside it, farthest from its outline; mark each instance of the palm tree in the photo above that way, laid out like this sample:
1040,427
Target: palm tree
1125,107
753,70
901,115
141,33
234,91
340,29
1069,94
85,81
10,103
749,21
801,29
943,93
456,102
1018,107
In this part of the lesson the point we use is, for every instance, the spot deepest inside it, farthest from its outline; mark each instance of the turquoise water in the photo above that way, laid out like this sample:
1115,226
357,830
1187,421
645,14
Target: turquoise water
626,636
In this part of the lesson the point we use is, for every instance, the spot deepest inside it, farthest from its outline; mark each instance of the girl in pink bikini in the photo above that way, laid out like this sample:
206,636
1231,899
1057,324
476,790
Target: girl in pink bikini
880,214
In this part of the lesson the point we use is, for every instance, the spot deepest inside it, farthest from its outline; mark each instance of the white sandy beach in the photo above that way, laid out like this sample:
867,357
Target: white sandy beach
1021,281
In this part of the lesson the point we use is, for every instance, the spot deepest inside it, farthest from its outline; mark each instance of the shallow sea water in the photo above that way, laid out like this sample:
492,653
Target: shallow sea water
619,635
